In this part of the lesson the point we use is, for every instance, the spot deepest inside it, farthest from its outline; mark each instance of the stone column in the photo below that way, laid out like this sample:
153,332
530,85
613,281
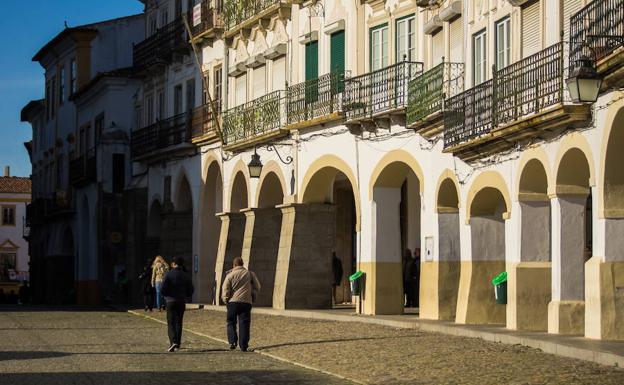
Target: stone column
260,248
567,307
529,287
230,246
303,275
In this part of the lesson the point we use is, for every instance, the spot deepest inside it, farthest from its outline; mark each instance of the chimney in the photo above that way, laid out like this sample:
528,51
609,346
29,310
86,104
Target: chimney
7,171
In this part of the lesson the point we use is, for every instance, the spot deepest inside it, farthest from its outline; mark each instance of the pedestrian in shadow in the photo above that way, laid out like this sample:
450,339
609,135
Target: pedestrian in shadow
24,293
159,269
240,289
416,278
146,285
408,263
337,273
176,288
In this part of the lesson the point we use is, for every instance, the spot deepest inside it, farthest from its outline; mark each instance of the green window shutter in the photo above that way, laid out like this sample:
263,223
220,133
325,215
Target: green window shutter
337,56
311,71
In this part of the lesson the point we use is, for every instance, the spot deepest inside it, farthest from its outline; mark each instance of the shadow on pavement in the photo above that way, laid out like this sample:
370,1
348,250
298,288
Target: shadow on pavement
259,377
324,342
30,355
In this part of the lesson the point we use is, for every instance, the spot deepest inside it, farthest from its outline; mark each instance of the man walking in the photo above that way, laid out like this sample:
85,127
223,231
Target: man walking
176,287
239,291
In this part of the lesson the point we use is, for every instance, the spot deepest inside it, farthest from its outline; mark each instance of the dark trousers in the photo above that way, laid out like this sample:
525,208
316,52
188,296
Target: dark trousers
175,314
239,312
148,298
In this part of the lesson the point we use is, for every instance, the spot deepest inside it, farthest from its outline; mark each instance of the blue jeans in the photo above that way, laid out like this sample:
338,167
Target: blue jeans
159,298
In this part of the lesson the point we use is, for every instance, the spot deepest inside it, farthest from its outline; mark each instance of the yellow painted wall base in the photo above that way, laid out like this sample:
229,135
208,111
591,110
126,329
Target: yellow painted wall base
383,290
566,317
439,284
604,299
528,295
475,302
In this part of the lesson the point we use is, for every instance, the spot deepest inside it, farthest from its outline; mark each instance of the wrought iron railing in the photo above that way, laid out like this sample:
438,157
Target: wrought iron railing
160,135
598,26
202,121
315,98
210,17
160,46
258,117
426,93
237,11
83,169
379,91
516,91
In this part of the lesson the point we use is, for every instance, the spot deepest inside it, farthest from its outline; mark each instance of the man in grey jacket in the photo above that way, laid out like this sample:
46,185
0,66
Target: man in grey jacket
239,290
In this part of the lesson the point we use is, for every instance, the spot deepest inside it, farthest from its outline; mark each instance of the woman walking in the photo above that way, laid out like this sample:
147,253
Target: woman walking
159,269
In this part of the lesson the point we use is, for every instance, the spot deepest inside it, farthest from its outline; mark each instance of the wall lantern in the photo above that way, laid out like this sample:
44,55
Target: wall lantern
584,82
255,164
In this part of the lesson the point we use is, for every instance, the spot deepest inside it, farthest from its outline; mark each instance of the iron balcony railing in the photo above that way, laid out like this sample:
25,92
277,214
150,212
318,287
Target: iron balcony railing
315,98
82,170
160,46
237,11
599,26
258,117
516,91
426,93
202,121
379,91
209,17
161,135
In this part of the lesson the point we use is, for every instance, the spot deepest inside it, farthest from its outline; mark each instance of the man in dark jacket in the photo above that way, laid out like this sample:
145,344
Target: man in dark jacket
176,288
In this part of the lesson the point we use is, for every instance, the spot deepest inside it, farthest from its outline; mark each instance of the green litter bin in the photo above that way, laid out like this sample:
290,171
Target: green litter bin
356,282
500,288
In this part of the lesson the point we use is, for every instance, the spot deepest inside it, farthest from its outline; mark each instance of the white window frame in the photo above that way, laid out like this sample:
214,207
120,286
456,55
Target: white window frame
405,45
503,42
479,57
379,48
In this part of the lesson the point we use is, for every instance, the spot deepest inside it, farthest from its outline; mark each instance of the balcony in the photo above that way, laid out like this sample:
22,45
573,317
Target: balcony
259,120
206,24
597,31
162,138
315,101
426,94
203,125
159,49
526,99
82,170
379,95
239,15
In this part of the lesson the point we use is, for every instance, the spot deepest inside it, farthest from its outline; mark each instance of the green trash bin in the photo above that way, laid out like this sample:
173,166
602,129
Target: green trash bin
500,288
356,282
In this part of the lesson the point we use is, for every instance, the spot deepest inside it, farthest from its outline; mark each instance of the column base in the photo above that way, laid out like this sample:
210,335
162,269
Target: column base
439,284
604,299
230,247
476,303
383,288
566,317
528,295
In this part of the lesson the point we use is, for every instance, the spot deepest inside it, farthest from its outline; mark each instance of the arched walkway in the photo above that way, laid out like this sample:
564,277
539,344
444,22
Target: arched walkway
210,229
395,281
177,234
488,209
572,247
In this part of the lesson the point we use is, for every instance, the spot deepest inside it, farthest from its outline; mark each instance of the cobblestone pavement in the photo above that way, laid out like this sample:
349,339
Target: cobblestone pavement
63,347
382,355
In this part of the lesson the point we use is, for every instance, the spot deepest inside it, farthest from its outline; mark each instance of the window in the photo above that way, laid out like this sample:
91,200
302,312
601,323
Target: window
161,105
503,43
190,94
7,262
8,215
178,7
153,25
206,82
406,39
149,101
379,47
59,170
479,59
98,125
164,17
177,99
119,173
48,102
73,69
138,113
217,74
62,85
52,96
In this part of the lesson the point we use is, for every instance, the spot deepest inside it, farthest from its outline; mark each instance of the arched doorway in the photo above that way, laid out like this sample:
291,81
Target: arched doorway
262,234
212,204
396,252
177,226
488,208
154,225
61,273
572,245
529,281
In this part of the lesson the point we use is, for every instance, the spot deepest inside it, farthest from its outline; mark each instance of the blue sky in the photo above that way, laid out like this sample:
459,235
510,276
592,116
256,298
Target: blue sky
26,26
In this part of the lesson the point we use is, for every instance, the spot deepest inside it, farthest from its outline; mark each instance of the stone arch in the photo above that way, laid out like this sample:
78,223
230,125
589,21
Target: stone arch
154,219
612,169
447,192
574,173
533,181
579,143
400,159
316,186
536,154
239,188
184,195
271,186
490,185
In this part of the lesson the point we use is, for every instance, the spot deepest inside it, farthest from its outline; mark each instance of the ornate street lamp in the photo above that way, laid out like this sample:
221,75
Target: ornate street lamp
584,82
255,164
